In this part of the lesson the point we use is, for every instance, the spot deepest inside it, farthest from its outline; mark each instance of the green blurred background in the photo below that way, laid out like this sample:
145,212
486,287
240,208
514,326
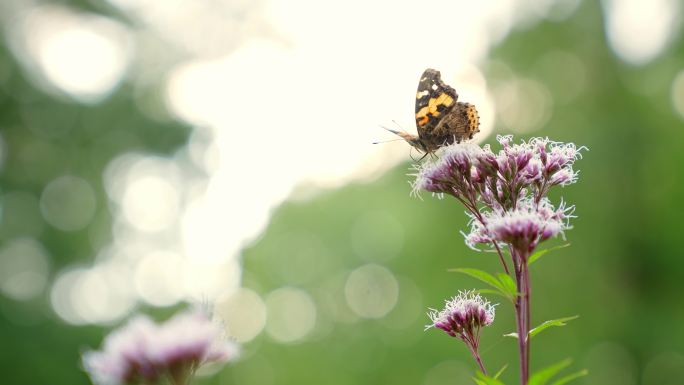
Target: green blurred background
335,288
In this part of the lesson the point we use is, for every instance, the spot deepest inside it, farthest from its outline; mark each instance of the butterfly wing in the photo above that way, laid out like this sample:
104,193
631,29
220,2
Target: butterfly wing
461,123
434,100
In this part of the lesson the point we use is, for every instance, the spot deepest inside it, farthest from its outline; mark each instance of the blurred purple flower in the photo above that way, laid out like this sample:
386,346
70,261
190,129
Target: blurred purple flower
190,338
144,352
123,358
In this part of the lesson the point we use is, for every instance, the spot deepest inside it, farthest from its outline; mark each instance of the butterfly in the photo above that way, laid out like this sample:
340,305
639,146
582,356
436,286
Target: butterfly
440,119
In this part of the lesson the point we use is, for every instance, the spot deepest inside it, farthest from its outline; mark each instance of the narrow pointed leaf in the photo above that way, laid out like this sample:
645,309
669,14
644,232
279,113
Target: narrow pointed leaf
514,335
484,277
543,376
486,380
549,323
508,284
571,377
541,253
498,374
490,291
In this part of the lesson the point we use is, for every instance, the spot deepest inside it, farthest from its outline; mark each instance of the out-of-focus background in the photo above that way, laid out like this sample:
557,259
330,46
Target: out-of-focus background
155,153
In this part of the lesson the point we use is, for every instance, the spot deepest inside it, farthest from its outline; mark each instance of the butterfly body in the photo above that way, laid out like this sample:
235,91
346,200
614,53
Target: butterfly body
440,119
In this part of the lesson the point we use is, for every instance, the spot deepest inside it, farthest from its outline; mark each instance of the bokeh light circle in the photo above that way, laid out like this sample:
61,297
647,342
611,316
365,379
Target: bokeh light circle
664,369
678,94
157,276
523,105
20,215
243,313
68,203
371,291
448,372
610,363
150,203
631,32
93,295
377,236
24,269
291,314
83,55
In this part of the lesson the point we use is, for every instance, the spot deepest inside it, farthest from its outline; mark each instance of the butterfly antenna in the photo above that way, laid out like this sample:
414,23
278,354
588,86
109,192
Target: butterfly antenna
398,125
386,141
390,130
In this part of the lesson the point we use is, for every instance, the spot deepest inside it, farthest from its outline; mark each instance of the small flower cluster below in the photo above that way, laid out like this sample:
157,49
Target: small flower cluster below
463,315
145,352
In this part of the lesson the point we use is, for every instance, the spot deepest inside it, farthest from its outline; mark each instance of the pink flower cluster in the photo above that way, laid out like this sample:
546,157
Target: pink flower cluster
523,227
463,315
505,195
144,352
505,191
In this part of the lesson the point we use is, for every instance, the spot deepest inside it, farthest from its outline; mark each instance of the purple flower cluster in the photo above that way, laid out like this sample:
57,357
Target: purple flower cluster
523,228
505,192
144,352
463,316
505,195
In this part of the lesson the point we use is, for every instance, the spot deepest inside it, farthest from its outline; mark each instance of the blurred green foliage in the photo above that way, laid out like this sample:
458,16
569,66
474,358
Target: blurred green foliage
622,274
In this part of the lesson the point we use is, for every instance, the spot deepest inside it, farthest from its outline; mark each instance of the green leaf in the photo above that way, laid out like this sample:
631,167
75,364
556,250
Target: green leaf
544,375
541,253
483,379
508,284
571,377
489,291
514,335
484,277
498,374
549,323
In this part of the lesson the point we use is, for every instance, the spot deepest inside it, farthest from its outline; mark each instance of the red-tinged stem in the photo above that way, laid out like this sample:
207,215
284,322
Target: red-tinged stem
501,257
476,356
472,207
522,314
527,293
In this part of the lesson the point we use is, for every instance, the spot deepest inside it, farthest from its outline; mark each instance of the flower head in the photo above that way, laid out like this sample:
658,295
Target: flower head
123,358
452,173
143,351
523,228
499,179
463,316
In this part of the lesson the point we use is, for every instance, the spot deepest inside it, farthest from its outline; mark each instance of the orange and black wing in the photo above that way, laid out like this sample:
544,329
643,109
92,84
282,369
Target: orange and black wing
434,100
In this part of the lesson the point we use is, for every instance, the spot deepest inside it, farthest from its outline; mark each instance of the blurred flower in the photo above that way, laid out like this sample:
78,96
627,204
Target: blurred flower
123,358
144,352
463,316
